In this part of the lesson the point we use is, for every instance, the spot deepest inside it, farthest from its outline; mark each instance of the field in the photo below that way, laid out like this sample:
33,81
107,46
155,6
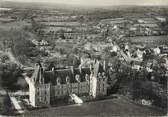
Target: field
55,28
5,19
115,20
110,107
13,25
61,23
149,39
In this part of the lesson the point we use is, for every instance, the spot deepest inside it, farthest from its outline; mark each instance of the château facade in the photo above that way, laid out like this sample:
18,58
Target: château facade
47,86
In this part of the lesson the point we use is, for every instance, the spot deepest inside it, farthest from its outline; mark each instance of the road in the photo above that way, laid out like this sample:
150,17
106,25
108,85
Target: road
109,107
16,104
13,59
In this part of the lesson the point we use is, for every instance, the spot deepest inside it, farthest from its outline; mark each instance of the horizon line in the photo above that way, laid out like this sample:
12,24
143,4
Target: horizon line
83,5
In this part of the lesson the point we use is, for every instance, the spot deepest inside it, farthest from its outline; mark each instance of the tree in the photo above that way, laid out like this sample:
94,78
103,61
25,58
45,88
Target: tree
6,105
164,25
76,62
9,76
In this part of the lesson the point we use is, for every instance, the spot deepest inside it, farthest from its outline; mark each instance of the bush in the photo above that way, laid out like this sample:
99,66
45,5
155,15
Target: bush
6,106
9,76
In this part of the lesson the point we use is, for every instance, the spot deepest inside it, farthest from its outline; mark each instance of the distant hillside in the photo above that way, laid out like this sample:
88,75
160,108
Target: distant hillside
77,8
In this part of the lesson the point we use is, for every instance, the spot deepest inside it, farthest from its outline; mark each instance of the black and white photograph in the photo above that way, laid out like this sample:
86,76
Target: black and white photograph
83,58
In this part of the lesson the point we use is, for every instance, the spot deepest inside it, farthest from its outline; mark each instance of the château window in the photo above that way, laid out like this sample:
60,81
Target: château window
77,77
67,79
87,77
58,81
103,74
99,87
38,89
38,93
99,75
38,100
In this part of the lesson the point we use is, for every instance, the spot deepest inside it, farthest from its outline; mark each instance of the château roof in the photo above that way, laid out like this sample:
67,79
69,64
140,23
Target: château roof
41,76
37,75
51,76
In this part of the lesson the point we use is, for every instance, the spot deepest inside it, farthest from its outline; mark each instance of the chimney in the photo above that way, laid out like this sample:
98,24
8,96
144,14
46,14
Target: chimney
96,68
72,69
41,78
52,69
80,69
91,67
104,65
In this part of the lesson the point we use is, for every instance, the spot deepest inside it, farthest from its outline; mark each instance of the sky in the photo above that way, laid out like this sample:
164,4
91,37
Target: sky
101,2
